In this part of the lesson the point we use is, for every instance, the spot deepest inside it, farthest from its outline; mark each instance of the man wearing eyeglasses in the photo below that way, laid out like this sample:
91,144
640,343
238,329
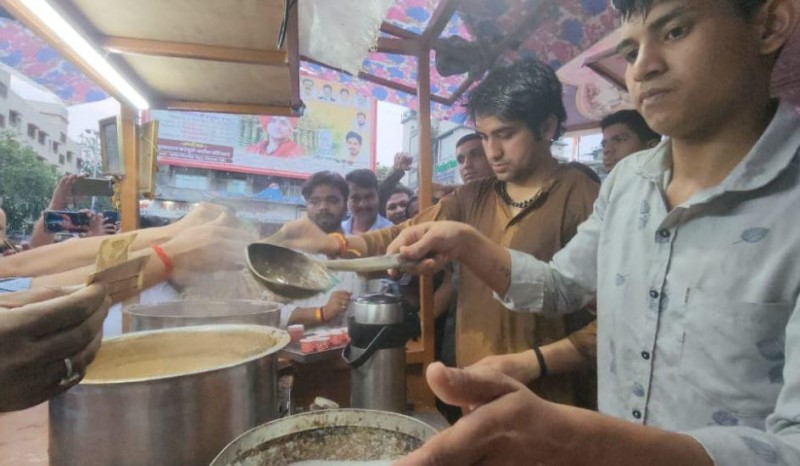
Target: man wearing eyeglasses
625,132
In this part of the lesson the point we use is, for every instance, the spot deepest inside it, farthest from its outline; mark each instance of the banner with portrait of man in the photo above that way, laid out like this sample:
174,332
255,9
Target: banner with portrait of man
336,132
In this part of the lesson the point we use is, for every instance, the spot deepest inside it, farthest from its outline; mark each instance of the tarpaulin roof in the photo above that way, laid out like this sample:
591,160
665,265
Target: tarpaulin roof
553,31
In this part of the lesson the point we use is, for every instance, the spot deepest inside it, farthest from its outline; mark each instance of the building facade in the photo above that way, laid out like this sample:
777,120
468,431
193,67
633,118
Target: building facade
39,119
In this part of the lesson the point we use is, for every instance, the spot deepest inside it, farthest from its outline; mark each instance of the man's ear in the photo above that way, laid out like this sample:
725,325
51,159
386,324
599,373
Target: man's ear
549,128
777,21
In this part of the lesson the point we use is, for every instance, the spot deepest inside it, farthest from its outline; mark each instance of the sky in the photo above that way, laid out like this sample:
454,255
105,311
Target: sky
389,132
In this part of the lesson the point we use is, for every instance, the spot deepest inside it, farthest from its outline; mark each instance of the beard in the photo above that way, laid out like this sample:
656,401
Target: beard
327,222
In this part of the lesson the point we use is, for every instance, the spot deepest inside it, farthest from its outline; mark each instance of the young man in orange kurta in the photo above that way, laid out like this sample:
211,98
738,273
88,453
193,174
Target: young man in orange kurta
532,204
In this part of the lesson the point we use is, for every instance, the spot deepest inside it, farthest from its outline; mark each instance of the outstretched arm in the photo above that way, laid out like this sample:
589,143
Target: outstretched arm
509,425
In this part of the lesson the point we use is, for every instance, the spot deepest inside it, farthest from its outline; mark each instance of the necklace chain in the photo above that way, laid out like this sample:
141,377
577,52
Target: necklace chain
501,188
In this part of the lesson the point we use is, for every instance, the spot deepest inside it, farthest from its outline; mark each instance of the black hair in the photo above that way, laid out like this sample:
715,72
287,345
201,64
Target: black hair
633,120
344,90
468,138
400,189
361,113
526,91
328,86
353,135
325,178
585,169
363,178
308,80
629,8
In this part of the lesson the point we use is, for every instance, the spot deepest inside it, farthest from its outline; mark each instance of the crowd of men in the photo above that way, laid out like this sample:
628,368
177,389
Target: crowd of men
664,298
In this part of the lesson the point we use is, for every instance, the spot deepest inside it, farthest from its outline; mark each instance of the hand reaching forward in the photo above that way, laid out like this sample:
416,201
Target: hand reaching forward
38,337
508,425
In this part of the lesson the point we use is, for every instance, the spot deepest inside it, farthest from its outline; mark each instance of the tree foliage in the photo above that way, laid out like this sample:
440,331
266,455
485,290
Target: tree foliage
382,171
26,183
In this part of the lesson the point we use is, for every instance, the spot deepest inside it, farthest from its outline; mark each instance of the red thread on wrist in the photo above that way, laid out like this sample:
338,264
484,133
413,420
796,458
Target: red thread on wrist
164,259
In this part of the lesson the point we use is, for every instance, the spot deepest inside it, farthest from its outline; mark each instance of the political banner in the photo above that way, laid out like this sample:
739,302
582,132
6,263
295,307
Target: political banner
336,132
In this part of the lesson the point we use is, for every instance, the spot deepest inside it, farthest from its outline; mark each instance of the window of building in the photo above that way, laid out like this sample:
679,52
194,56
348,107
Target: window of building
63,138
191,181
292,190
237,186
61,159
69,157
78,163
55,146
14,118
2,121
42,137
3,90
31,131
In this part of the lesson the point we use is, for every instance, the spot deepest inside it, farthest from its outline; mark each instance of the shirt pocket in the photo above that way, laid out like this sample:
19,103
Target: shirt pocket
733,352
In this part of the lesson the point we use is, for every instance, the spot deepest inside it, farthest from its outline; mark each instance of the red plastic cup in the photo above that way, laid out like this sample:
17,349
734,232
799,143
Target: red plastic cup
308,345
296,332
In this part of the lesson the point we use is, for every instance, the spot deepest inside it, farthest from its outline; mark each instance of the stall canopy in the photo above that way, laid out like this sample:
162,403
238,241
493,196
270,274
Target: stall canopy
574,36
492,31
233,57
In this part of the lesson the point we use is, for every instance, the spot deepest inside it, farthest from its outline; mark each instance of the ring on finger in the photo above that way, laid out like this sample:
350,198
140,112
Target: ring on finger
71,376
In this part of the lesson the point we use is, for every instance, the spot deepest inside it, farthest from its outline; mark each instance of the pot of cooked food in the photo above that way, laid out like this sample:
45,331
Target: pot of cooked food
329,437
196,312
167,397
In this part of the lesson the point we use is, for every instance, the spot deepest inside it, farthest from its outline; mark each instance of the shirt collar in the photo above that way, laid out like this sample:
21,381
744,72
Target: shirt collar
772,153
379,223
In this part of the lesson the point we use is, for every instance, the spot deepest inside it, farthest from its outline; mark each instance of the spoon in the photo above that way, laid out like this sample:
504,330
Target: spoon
295,275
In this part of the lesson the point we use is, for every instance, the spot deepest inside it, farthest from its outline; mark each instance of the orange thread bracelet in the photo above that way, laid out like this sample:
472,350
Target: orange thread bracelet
164,259
342,242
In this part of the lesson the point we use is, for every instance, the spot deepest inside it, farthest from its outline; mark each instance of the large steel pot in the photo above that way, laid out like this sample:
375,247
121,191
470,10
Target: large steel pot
167,397
190,312
337,434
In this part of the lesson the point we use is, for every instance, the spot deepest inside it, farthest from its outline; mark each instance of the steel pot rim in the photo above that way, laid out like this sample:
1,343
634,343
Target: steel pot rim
281,336
352,417
141,310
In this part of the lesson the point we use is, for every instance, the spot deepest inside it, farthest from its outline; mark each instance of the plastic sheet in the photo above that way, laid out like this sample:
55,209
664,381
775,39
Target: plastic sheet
340,33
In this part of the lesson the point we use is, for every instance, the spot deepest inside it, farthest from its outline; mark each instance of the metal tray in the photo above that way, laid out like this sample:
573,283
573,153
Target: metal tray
293,353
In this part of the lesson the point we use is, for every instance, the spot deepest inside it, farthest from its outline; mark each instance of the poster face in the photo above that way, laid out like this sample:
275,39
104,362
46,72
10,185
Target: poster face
336,132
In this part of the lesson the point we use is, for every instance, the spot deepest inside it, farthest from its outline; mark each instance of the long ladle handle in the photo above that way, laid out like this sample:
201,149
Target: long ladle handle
365,264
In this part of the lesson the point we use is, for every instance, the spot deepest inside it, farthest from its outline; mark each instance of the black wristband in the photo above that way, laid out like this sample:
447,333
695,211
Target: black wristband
540,358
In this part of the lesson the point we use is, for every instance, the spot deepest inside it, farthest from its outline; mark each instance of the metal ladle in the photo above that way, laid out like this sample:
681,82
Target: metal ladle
295,275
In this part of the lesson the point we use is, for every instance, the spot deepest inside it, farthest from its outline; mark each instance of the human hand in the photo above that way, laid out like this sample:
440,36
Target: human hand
202,213
337,303
95,227
216,245
306,236
402,161
508,425
110,228
63,191
429,246
522,367
38,336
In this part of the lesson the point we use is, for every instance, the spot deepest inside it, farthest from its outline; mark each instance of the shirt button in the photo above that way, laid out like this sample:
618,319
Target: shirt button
664,233
637,414
645,355
653,294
